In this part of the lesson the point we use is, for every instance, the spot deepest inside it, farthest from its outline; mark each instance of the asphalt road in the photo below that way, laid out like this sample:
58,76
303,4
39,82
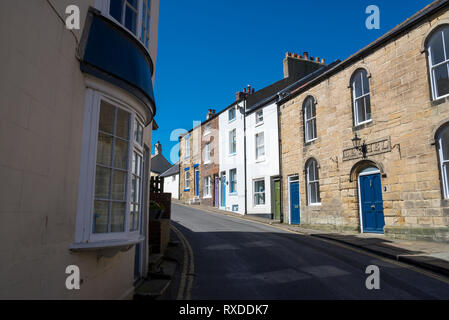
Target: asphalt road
237,259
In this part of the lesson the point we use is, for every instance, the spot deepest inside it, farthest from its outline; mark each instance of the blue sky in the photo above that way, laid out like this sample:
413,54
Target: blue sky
210,49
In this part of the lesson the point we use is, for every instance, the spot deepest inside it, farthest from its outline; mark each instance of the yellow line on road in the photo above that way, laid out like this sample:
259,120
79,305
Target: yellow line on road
188,268
345,246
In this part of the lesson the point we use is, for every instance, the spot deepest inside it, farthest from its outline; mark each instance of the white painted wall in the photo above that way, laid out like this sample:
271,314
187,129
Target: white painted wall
268,166
171,185
228,162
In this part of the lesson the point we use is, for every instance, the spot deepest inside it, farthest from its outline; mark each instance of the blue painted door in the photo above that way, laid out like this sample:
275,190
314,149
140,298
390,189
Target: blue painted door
372,204
223,191
197,182
294,203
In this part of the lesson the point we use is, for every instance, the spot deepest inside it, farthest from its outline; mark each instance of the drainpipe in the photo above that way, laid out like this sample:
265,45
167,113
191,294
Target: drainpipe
280,157
244,154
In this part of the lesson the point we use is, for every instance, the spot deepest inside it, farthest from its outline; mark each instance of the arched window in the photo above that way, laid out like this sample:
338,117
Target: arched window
438,53
443,151
361,97
309,119
313,182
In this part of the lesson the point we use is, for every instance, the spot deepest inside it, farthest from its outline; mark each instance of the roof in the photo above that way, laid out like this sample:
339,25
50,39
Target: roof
281,88
173,170
417,18
159,164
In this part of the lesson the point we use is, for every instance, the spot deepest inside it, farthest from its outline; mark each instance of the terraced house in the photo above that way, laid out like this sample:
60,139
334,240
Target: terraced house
80,105
365,144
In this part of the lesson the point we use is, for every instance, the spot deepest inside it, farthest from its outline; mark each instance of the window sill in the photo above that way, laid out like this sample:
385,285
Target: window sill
207,162
259,124
207,197
314,205
186,190
362,125
120,245
231,121
439,100
232,154
232,193
260,160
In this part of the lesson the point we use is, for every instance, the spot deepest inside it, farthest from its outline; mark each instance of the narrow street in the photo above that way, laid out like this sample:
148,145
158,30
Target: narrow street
237,259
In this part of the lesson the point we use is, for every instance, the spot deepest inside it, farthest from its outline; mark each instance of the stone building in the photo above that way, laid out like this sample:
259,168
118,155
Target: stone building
73,120
189,165
210,158
392,95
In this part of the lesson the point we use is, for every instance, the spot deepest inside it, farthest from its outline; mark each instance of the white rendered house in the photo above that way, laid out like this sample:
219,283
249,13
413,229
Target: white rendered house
262,156
232,159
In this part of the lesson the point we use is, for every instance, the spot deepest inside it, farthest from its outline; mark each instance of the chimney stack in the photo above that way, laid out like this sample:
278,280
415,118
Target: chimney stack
210,113
244,93
157,148
298,66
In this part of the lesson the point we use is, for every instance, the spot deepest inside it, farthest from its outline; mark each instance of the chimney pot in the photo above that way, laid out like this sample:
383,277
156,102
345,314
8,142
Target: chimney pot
306,55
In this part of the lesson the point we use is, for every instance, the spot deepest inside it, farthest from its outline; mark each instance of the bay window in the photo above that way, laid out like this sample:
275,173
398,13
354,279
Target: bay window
111,183
134,15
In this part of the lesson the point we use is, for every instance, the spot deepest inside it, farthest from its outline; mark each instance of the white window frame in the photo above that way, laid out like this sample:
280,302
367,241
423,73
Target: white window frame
232,138
443,161
104,5
362,97
308,103
232,178
207,187
233,109
312,182
259,156
186,180
257,192
86,187
433,67
259,117
207,159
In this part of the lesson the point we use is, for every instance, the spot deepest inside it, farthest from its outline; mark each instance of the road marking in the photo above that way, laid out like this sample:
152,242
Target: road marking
188,270
333,242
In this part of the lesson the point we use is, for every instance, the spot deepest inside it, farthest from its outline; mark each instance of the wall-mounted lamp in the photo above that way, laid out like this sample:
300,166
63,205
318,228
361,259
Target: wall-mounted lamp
358,145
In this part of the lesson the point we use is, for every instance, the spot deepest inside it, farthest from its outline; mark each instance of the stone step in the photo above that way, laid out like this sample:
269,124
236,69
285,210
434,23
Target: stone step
154,262
153,289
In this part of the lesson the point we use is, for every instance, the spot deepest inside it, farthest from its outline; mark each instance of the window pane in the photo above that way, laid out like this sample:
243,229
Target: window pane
259,186
100,217
365,82
102,182
310,130
446,41
118,185
118,217
107,112
446,177
444,144
442,80
357,85
133,3
313,196
121,154
115,9
436,48
122,124
359,109
260,198
104,149
367,107
131,20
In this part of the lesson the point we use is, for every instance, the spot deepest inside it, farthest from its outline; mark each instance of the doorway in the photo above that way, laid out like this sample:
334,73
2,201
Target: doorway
223,190
293,187
370,201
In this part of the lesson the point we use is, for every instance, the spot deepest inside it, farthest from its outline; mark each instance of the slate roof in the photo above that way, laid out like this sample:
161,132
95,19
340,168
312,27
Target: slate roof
173,170
159,164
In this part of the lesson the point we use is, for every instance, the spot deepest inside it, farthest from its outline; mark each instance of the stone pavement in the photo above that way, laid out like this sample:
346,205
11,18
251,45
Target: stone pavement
432,256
